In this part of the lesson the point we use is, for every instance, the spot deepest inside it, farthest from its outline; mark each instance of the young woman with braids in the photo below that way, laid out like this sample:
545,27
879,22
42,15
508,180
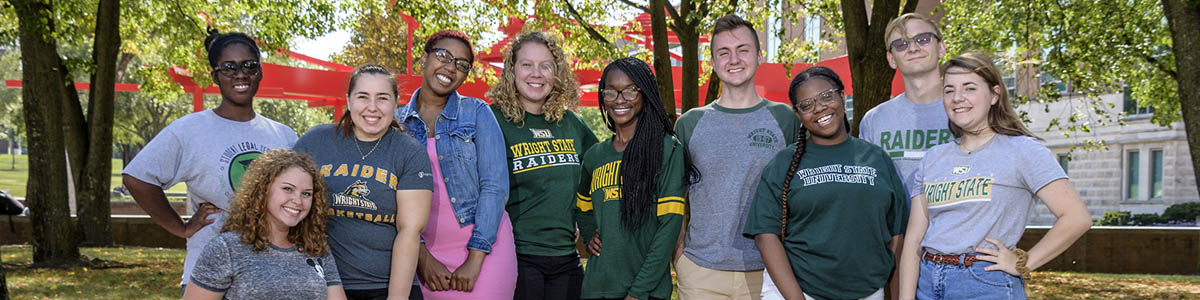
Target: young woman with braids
380,190
973,196
544,140
827,207
208,150
273,245
632,189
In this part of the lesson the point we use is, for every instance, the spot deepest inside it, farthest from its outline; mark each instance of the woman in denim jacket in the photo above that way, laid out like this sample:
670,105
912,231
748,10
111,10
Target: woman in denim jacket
467,221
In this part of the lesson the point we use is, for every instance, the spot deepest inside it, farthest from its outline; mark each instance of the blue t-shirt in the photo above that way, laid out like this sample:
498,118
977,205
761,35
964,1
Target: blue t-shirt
363,180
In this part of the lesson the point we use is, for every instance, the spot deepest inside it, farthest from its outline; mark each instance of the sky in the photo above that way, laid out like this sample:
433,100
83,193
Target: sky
323,46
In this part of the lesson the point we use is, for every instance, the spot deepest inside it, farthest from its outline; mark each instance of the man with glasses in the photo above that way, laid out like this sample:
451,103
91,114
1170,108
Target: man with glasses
730,141
914,121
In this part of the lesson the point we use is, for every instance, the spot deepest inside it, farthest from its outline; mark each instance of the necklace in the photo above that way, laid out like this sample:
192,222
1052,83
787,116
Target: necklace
364,156
968,150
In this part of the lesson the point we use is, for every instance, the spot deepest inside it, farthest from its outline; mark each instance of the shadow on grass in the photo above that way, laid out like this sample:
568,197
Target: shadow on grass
121,273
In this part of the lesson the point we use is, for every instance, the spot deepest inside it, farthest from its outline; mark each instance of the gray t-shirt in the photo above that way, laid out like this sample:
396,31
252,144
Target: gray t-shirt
210,154
905,130
229,266
987,193
362,218
730,147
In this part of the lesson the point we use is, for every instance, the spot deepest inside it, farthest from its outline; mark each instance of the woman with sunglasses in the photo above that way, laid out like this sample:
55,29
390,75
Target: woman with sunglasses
545,140
208,150
467,249
973,196
829,208
632,189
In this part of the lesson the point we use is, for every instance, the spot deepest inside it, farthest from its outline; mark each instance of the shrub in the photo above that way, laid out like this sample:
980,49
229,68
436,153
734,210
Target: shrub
1115,218
1147,219
1182,212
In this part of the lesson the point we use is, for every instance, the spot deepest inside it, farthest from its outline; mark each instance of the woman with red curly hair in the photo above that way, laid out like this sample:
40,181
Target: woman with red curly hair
273,244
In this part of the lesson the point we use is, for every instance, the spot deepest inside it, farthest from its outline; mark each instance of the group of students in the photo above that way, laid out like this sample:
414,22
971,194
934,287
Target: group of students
452,198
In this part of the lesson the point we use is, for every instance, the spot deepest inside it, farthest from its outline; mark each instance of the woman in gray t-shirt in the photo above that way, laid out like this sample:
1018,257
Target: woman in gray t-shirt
273,245
973,197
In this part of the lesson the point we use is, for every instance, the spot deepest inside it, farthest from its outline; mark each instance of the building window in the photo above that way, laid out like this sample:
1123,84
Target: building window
1131,105
1156,174
1132,181
812,29
1063,159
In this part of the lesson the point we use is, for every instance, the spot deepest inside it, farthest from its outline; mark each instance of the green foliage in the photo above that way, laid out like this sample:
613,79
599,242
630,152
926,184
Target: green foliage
595,120
379,38
1182,212
1115,218
1094,47
1146,220
293,113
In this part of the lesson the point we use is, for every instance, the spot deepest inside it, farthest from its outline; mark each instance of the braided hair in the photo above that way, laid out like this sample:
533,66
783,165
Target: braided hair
216,42
643,156
822,73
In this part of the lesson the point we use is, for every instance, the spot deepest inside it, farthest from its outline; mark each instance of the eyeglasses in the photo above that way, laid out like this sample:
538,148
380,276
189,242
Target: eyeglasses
629,94
901,44
825,98
250,68
444,56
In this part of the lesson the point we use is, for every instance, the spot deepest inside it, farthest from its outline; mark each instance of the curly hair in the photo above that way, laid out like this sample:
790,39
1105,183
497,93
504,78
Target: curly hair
248,216
564,92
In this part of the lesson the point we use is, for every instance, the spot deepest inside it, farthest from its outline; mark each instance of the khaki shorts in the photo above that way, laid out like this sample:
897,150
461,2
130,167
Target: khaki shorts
696,282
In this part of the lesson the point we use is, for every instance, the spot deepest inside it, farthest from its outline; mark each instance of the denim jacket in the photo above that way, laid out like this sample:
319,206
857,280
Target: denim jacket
471,154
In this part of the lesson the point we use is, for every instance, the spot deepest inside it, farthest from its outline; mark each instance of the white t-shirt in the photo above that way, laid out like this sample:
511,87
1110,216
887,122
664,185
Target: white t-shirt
210,153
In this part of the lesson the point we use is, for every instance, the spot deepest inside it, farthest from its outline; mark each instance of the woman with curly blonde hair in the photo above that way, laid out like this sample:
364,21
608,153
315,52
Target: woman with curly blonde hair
273,244
544,141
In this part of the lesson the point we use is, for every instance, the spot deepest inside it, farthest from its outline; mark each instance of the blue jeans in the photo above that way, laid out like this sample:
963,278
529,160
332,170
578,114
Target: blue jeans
945,282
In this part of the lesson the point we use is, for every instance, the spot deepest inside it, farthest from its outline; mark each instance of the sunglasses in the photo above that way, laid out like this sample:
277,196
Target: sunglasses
444,56
923,39
825,98
611,95
250,68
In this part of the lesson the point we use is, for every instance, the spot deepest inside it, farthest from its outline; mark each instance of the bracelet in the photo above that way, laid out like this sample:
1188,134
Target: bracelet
1022,259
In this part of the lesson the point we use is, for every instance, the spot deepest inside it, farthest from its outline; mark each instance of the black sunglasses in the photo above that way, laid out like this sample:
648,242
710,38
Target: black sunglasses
901,44
250,68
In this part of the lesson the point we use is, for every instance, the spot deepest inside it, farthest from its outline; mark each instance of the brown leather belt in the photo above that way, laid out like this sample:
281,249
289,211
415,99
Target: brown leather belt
965,261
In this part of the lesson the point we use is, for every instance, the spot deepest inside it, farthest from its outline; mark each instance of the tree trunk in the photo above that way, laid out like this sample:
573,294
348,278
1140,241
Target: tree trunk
714,88
42,94
1184,20
3,282
870,74
689,40
662,56
95,220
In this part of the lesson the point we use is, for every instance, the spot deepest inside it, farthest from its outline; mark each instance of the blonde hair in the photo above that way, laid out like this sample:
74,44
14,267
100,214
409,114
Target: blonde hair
248,216
1002,118
899,24
564,91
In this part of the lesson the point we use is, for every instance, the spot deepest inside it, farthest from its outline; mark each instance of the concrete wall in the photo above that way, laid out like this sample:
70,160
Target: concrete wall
127,230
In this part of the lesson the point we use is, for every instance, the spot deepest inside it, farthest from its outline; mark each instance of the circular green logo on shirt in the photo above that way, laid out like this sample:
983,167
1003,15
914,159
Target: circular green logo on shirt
238,167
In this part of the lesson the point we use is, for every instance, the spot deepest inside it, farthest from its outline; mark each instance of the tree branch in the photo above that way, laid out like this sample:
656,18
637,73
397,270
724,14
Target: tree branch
586,27
635,5
909,6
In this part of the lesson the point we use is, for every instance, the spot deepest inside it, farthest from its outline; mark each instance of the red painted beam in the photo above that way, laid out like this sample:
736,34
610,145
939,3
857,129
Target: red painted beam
83,86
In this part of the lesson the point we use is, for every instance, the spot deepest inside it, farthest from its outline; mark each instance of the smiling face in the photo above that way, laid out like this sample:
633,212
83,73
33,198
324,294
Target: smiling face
442,78
371,105
968,99
238,88
534,70
916,59
623,111
735,56
826,122
289,198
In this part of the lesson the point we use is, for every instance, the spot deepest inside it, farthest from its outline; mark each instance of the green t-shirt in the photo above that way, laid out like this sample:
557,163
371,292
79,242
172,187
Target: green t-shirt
845,203
543,164
632,263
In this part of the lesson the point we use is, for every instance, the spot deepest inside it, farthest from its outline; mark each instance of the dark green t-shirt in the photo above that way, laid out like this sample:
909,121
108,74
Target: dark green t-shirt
632,262
845,203
543,164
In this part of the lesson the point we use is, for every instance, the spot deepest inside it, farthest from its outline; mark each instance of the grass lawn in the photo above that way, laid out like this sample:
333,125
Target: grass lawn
153,273
13,179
